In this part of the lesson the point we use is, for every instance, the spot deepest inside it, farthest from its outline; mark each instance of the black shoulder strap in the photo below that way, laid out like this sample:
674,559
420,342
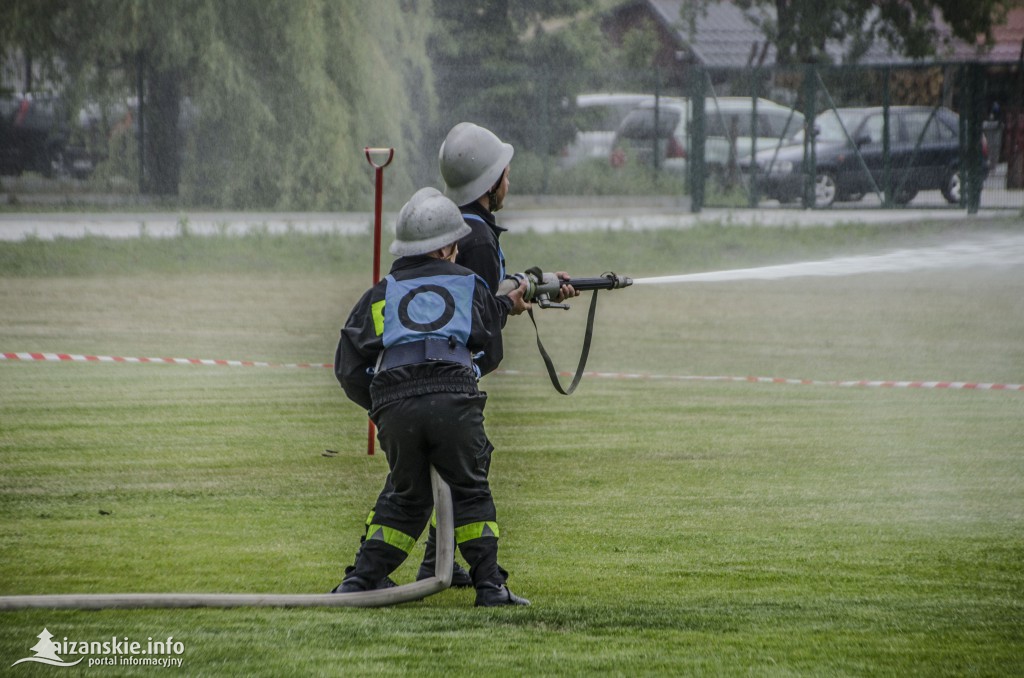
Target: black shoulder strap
583,355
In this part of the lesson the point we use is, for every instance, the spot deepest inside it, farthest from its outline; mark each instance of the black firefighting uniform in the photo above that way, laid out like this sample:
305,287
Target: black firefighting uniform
479,251
410,353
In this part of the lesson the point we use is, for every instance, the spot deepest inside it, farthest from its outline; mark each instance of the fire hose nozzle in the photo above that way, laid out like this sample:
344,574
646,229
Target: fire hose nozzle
541,286
618,281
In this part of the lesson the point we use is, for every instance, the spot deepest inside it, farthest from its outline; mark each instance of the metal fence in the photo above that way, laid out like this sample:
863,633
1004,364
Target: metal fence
933,135
926,135
818,136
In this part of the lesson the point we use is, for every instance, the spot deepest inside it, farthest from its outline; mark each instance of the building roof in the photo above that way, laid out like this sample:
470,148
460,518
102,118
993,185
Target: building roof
727,35
724,34
1009,42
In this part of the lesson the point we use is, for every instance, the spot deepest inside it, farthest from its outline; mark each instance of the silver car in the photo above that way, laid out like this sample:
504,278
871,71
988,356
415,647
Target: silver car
728,128
596,117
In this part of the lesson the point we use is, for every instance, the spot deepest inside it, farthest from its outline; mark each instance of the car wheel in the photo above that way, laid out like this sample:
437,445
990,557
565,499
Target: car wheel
825,189
951,186
902,196
56,165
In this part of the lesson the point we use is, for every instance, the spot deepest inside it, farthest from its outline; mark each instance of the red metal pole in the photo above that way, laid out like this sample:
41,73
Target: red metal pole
378,210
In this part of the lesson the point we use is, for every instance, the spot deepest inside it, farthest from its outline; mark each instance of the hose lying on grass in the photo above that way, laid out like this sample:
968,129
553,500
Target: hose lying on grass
405,593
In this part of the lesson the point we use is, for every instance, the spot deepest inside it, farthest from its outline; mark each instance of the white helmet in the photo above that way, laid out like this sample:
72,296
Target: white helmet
428,222
472,159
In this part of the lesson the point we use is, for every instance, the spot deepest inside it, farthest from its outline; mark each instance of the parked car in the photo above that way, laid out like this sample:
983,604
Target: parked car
728,125
924,151
35,136
596,117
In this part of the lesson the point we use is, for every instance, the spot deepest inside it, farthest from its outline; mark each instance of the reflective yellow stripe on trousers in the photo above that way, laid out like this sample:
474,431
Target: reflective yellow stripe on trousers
389,535
485,528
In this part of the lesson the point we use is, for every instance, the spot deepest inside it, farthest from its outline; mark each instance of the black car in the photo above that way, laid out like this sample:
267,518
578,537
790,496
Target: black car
924,151
35,136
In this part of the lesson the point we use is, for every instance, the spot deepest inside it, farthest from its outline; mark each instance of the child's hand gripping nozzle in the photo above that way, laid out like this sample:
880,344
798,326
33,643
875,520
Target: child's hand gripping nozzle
541,287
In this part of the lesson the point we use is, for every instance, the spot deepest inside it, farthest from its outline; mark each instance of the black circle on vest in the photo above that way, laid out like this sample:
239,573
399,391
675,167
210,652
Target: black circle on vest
445,317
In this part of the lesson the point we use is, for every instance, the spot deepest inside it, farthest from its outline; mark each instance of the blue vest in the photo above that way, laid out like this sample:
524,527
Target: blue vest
435,307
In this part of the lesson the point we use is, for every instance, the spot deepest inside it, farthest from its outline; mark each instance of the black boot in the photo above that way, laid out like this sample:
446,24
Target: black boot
352,585
374,562
385,583
488,576
460,578
496,596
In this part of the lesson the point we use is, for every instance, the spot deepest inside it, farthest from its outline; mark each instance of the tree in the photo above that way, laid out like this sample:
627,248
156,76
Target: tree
281,95
296,91
498,65
801,29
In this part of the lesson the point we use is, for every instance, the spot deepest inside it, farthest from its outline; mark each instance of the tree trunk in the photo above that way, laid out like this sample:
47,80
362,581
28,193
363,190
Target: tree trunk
784,39
163,148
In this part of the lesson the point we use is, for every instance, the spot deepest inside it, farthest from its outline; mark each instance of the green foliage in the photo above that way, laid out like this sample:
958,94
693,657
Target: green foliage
534,174
802,28
283,95
296,90
640,45
499,66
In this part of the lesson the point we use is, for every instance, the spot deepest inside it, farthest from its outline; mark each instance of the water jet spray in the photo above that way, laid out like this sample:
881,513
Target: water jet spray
1004,251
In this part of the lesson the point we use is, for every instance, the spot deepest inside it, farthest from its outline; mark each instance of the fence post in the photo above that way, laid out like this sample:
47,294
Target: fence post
545,132
810,135
1014,125
656,137
973,109
140,94
886,143
695,161
754,197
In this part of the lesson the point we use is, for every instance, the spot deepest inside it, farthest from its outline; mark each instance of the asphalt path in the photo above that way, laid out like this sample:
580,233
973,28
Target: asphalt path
541,215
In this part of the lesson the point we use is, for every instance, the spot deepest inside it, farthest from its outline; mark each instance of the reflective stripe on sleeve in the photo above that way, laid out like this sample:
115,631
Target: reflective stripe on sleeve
377,311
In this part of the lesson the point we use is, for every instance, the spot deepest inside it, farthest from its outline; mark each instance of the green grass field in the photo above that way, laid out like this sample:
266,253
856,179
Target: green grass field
660,527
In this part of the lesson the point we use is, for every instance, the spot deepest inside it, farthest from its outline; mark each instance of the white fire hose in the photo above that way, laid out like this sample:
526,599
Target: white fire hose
405,593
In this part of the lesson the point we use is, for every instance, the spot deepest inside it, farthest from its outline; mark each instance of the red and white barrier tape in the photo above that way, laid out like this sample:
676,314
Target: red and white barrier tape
76,358
965,385
952,385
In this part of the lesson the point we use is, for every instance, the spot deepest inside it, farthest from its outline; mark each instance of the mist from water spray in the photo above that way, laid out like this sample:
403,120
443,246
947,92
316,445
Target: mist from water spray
990,252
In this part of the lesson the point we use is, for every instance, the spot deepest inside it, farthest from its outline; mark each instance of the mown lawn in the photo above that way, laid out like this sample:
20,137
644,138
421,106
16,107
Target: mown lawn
660,527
